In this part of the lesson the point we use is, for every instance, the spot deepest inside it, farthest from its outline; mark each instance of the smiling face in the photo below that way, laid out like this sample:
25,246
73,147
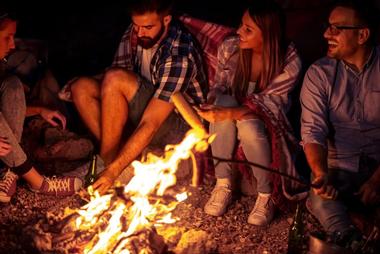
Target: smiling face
150,28
7,32
344,43
250,34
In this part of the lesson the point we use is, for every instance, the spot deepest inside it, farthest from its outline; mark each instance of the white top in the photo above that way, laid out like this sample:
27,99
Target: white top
147,55
251,87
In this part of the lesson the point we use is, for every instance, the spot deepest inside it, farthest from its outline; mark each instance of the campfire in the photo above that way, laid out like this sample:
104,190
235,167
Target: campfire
124,220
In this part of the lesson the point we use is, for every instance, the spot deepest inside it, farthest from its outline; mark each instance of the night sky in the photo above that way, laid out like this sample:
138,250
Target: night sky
82,39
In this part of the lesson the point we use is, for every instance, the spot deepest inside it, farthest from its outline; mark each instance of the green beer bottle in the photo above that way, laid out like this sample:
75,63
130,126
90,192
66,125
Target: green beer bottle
91,174
296,232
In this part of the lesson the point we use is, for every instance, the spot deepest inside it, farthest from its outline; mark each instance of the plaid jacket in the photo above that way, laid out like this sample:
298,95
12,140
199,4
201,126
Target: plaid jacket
276,95
176,66
270,106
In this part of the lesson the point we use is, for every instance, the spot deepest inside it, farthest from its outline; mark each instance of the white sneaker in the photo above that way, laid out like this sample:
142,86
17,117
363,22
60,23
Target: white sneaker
220,198
262,213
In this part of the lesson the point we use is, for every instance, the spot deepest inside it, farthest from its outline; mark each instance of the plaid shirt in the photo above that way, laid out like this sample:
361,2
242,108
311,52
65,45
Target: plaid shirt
176,66
277,91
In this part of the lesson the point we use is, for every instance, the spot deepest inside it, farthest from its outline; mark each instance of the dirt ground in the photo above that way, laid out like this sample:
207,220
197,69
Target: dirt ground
229,233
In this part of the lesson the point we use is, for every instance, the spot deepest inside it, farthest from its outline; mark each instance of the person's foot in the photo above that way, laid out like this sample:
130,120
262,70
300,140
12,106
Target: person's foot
220,198
59,186
8,186
263,211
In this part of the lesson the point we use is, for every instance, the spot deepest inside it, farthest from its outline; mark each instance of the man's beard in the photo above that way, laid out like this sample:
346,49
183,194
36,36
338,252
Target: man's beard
147,42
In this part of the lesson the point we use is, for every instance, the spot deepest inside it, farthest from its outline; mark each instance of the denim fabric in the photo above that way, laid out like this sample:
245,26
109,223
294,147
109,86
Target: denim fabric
12,115
253,139
332,214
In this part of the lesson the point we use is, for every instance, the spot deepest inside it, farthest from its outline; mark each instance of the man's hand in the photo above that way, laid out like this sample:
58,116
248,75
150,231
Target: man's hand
53,117
326,190
5,147
104,182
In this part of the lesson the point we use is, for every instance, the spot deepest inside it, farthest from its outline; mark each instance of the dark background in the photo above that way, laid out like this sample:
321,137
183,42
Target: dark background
82,37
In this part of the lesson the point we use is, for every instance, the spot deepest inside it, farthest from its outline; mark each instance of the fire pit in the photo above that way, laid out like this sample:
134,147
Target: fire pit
125,220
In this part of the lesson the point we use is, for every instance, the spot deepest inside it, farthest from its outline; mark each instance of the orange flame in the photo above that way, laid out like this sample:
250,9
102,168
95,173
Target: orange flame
151,177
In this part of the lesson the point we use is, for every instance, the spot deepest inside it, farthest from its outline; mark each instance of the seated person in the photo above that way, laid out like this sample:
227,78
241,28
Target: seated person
156,58
12,114
341,118
257,69
29,62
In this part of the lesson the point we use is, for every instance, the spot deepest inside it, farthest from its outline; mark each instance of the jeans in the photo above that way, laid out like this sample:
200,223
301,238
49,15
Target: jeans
253,138
12,116
332,214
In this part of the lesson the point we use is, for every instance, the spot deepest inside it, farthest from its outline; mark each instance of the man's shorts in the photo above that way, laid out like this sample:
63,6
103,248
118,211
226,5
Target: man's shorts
171,131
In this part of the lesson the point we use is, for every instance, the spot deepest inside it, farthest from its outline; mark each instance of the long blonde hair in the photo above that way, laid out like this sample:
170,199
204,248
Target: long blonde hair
269,17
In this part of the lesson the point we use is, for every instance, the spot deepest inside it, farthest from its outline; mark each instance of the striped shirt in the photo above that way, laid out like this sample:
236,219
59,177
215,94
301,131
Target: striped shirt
177,64
341,110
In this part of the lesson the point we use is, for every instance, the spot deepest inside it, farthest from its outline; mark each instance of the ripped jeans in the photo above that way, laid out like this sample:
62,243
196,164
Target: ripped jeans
253,138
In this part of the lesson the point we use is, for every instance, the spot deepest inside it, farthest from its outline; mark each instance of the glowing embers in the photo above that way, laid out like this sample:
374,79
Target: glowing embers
124,220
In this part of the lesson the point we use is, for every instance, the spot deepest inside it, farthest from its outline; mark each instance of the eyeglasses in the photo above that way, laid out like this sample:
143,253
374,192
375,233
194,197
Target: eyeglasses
335,30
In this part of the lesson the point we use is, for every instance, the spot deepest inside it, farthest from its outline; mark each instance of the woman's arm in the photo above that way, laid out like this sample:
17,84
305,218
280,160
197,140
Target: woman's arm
226,66
54,117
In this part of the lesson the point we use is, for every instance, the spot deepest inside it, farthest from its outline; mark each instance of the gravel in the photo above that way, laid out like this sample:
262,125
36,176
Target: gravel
229,233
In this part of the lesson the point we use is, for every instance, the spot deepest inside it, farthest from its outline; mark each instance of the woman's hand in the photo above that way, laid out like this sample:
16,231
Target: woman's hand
53,117
5,147
212,113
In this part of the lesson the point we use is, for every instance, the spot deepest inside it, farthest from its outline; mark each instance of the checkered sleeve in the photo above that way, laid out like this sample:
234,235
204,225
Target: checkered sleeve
225,70
175,74
287,79
123,55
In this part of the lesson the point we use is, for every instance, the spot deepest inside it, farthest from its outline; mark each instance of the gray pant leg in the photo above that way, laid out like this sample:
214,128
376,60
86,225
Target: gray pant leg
256,147
12,104
12,116
226,137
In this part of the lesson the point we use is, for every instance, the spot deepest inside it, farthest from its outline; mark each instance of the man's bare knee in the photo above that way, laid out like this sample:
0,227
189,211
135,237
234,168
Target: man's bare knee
85,86
118,79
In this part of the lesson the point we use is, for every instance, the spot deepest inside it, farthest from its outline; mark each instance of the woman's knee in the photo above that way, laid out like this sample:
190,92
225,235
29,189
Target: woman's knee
12,84
252,129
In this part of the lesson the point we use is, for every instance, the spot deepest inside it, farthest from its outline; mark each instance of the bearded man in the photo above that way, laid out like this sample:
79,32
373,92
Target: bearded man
156,58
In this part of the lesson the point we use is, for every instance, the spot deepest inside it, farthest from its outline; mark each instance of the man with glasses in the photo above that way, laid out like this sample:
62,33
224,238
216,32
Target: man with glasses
340,129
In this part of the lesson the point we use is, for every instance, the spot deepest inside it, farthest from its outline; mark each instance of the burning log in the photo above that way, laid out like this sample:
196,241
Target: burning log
124,220
60,234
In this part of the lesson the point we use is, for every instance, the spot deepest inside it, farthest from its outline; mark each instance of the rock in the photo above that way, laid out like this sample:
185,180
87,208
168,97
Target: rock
171,234
193,241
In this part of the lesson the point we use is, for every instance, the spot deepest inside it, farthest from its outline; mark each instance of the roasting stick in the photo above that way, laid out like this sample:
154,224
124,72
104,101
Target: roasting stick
192,118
